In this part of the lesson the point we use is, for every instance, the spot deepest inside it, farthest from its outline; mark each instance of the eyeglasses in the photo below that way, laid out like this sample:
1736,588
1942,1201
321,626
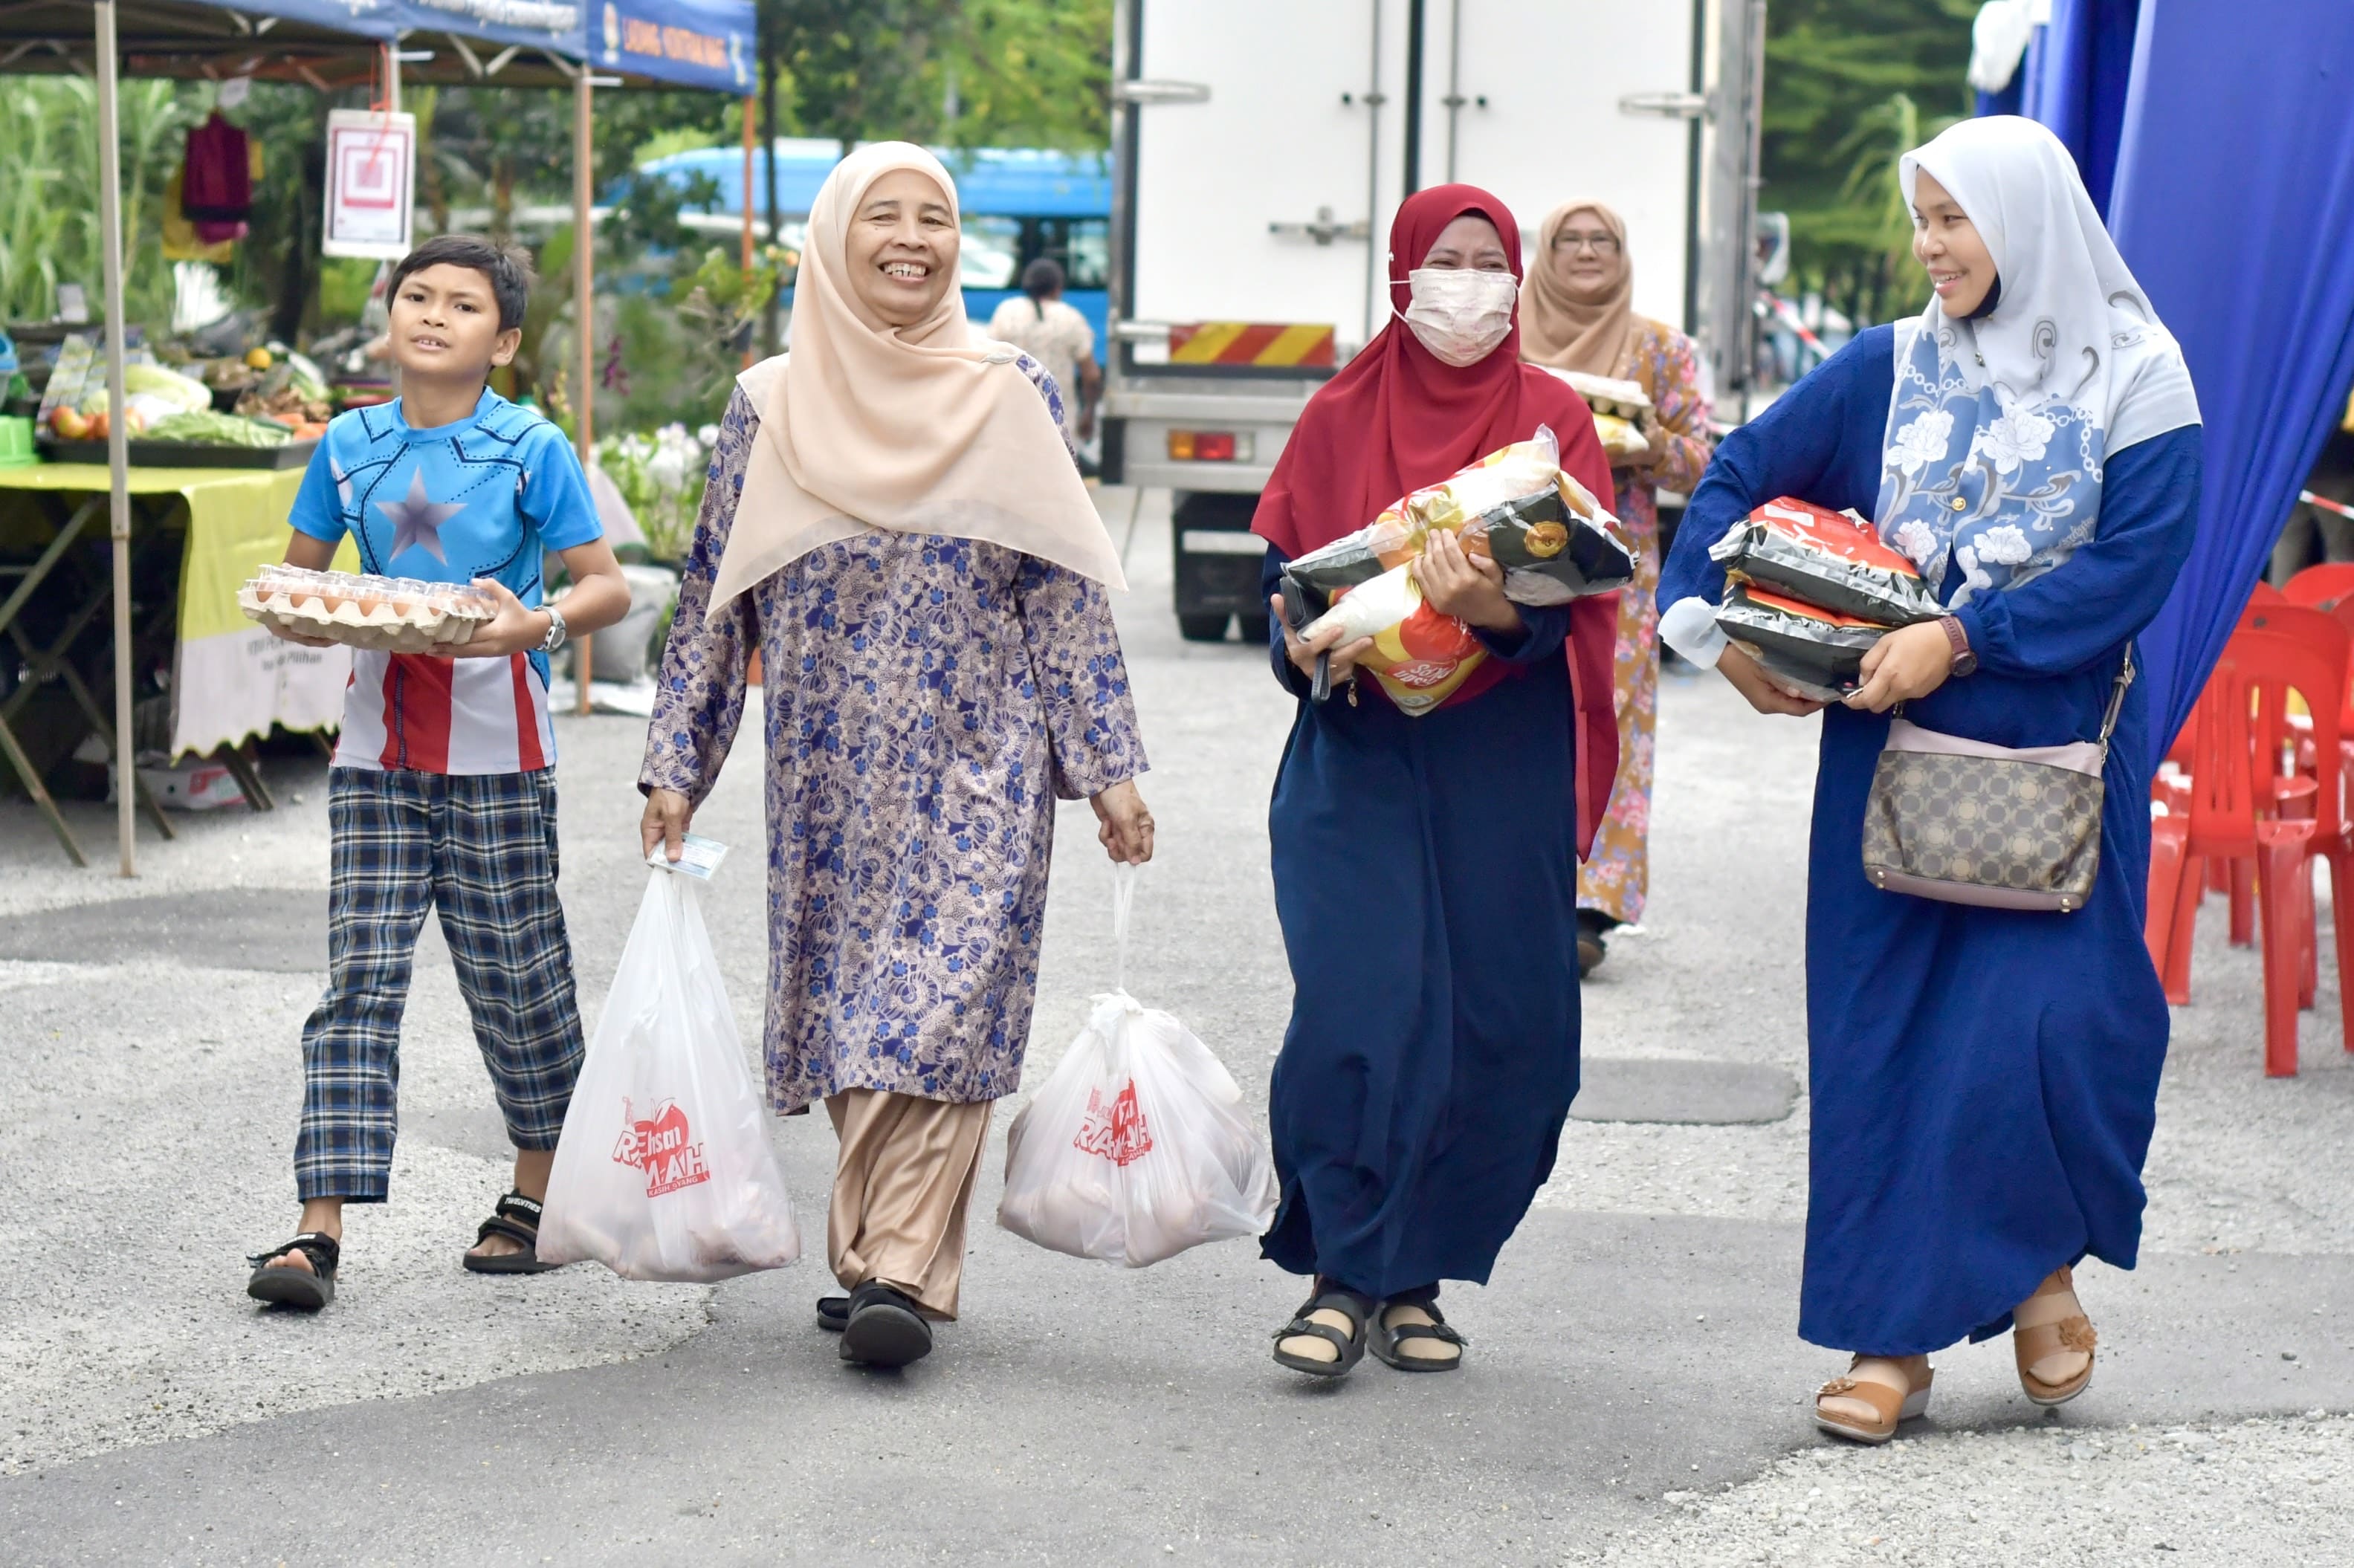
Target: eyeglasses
1600,244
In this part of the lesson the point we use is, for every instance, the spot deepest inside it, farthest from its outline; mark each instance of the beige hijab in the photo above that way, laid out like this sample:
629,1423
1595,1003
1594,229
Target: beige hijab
1568,328
927,429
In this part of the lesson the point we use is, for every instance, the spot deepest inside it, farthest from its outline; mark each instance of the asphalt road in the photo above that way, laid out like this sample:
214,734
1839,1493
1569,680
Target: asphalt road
1634,1392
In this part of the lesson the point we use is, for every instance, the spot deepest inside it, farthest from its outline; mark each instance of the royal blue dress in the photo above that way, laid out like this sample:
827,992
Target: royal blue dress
1983,1081
1426,878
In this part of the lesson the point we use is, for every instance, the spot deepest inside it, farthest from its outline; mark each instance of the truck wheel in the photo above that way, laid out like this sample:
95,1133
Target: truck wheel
1204,627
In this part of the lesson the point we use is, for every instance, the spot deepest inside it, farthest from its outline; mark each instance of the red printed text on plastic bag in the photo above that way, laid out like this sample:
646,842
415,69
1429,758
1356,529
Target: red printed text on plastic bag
1115,1131
659,1146
1833,533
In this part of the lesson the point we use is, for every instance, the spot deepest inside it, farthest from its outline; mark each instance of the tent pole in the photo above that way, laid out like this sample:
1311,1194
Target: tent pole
392,77
118,432
584,315
748,209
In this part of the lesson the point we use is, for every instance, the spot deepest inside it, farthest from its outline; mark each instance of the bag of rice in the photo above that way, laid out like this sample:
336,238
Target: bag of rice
1554,539
1419,656
1828,559
1814,652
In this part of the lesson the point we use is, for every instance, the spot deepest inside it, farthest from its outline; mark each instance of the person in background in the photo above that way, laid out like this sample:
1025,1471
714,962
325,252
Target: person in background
1577,313
1059,338
1983,1080
1425,868
442,792
895,523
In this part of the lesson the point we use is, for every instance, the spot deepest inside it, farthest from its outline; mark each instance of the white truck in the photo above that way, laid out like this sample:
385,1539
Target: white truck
1260,147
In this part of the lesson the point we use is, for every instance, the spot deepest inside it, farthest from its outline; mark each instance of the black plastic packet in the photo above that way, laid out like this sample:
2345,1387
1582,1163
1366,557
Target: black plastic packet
1301,605
1828,559
1552,549
1356,558
1814,652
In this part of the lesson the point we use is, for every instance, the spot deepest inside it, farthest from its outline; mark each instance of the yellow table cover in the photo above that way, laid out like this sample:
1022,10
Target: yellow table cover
230,679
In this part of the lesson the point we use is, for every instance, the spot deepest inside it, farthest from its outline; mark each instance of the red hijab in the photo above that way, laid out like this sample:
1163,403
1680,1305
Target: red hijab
1400,418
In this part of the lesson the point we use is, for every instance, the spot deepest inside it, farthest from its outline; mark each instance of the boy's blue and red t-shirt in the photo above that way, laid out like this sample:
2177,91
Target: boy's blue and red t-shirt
485,497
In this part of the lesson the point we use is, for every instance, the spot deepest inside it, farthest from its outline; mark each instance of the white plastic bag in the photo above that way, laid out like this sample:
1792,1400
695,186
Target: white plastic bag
664,1170
1135,1147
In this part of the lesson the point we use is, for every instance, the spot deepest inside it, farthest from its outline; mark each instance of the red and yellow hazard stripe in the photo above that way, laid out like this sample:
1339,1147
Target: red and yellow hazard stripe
1251,342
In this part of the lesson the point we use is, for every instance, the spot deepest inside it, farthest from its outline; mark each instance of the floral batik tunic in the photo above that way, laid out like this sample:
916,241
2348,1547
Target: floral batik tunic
926,699
1617,875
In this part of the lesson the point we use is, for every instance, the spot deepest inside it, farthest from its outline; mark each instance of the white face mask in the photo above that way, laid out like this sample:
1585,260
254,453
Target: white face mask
1460,315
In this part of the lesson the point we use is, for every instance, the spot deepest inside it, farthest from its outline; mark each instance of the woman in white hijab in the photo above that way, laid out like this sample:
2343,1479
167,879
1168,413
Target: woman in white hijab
1983,1081
895,524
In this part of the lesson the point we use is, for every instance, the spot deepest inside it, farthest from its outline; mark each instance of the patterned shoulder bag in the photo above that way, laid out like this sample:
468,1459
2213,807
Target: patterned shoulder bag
1963,821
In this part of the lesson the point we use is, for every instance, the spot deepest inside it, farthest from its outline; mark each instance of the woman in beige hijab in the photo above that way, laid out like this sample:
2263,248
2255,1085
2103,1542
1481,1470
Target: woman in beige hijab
894,522
1577,318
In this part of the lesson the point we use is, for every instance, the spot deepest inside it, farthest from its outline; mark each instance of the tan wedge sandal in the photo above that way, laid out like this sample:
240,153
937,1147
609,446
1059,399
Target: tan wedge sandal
2048,1332
1867,1409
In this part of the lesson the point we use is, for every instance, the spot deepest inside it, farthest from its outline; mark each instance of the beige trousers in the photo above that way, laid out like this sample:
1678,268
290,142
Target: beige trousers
900,1191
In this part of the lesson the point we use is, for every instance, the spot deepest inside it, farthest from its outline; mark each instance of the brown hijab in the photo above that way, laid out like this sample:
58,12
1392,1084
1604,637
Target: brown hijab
927,428
1573,328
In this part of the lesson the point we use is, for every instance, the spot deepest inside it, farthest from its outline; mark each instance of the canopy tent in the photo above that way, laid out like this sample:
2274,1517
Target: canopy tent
702,44
330,44
2234,192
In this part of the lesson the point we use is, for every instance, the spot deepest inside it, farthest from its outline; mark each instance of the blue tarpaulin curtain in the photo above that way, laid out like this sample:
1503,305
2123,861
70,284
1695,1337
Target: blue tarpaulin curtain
2082,61
2234,205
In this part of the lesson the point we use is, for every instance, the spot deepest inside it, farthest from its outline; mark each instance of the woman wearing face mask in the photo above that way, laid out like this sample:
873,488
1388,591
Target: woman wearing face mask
895,523
1579,313
1426,869
1984,1081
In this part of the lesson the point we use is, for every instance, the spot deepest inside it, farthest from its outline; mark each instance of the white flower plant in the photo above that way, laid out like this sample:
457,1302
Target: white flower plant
661,474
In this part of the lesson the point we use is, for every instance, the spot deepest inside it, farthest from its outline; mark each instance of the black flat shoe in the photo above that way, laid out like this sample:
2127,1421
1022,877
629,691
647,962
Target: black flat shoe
1591,947
883,1328
832,1313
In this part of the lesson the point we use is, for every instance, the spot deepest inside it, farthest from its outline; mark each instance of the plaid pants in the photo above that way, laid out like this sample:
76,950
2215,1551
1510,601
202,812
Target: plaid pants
481,849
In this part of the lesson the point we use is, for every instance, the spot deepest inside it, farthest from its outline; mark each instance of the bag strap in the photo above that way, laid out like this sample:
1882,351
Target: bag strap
2117,701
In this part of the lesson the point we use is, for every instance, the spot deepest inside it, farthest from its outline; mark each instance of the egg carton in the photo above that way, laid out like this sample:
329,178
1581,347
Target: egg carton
385,615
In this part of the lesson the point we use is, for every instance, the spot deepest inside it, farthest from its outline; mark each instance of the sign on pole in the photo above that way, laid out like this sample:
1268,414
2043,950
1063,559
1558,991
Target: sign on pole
371,178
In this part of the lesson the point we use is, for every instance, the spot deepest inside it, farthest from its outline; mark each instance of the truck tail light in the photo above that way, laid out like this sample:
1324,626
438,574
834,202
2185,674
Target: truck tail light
1209,446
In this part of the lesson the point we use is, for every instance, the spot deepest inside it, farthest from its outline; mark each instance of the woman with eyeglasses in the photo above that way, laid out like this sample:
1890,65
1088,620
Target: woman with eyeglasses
1425,868
1577,313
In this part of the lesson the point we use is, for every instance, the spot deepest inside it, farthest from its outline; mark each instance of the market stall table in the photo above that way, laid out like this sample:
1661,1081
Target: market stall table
230,678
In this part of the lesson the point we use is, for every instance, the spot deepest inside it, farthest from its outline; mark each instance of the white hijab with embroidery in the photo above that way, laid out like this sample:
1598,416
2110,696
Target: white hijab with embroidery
929,429
2001,426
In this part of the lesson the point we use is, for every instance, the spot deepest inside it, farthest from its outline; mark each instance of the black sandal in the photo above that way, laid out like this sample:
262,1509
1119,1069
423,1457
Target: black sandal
834,1313
883,1328
1351,1347
283,1284
517,1219
1386,1339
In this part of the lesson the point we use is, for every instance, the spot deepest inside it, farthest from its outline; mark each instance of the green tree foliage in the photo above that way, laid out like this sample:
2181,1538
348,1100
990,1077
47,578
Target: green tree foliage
48,191
958,73
1851,85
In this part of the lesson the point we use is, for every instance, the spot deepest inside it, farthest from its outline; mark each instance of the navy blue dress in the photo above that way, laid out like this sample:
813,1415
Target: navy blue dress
1983,1081
1425,877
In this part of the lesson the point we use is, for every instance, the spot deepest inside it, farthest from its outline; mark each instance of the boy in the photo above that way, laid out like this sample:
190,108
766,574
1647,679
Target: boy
442,791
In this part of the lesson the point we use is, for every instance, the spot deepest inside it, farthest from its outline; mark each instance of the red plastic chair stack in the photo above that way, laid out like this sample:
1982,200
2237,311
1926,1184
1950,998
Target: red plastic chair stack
2236,814
2322,588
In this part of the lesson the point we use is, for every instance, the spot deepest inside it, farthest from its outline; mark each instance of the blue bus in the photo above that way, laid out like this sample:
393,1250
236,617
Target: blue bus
1019,203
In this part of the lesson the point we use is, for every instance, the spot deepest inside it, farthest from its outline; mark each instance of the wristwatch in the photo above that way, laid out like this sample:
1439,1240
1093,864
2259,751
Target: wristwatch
1964,661
555,639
